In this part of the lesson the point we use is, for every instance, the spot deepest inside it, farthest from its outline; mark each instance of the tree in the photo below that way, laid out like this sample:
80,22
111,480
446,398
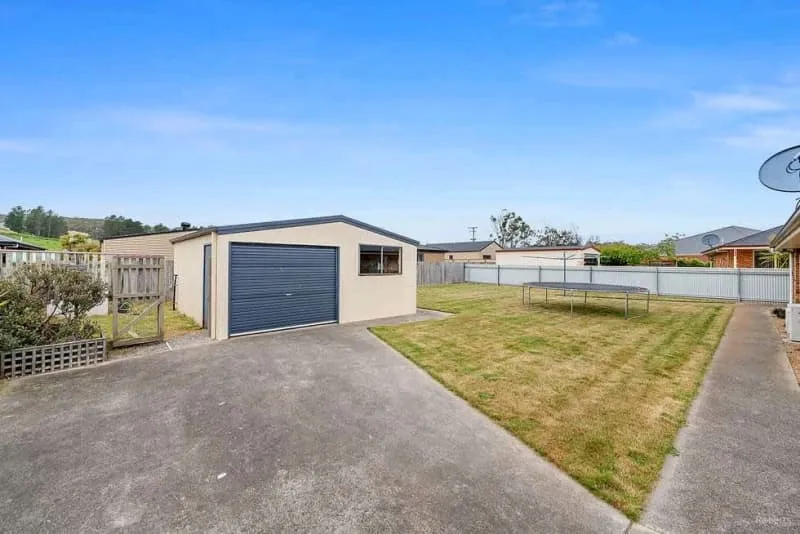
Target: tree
115,225
619,253
79,242
510,230
554,237
15,220
35,221
666,247
160,228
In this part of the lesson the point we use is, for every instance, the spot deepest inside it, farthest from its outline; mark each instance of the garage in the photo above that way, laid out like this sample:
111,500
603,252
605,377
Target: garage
281,286
259,277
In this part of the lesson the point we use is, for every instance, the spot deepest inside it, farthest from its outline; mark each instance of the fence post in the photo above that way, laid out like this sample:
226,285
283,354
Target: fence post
658,285
540,273
739,285
590,275
498,275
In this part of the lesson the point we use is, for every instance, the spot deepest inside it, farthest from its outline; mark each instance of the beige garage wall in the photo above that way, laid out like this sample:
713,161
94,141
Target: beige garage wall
361,298
544,258
189,268
142,245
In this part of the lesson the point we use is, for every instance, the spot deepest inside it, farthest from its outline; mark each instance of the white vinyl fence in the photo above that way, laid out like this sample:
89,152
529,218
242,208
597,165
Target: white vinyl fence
752,285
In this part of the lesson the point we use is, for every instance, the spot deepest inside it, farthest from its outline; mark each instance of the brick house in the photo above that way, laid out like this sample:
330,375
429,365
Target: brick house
787,239
692,247
750,252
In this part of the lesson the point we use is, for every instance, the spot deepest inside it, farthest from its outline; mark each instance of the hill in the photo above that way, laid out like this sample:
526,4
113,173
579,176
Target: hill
50,243
93,227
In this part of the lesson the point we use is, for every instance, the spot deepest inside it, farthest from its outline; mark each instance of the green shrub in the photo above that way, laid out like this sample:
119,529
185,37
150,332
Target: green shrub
43,304
692,262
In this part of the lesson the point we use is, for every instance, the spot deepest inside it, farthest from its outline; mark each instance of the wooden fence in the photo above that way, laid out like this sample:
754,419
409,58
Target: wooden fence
92,262
138,292
430,273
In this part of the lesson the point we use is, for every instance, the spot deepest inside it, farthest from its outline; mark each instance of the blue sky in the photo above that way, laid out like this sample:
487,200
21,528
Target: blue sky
627,119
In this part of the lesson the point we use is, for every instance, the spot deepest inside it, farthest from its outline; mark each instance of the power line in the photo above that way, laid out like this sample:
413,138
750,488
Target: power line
472,230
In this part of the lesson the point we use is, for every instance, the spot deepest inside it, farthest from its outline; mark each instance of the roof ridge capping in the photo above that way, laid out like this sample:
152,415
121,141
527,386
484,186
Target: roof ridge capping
291,223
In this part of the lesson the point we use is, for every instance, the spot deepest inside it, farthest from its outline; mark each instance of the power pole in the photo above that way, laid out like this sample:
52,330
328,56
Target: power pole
472,230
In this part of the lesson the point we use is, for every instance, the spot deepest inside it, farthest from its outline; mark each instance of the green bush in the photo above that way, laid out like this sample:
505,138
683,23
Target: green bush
625,254
692,262
44,304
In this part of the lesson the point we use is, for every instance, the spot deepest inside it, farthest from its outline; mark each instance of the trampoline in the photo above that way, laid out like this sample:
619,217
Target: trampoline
585,288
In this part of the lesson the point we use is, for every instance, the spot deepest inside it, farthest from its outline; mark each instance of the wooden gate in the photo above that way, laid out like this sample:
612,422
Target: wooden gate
138,293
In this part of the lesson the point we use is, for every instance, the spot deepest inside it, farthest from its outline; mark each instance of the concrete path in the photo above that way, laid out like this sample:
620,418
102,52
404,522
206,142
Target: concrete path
738,468
320,430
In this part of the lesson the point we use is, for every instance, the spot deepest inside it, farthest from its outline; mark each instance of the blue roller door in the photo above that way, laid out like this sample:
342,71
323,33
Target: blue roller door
281,286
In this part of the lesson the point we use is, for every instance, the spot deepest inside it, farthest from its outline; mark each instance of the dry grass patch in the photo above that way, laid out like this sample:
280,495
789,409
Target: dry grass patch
601,397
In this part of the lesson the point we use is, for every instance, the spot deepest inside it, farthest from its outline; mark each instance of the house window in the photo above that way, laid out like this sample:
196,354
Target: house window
765,259
591,260
450,257
487,256
377,259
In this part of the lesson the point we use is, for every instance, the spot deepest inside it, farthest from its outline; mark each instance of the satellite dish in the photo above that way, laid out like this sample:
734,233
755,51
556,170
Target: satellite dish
781,171
711,240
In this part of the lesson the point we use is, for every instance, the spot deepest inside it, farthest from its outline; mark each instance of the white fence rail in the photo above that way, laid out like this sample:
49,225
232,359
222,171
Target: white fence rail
751,285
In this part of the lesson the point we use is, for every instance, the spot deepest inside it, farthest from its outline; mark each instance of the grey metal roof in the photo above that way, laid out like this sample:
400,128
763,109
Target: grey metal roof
759,239
290,223
460,246
9,242
693,245
535,249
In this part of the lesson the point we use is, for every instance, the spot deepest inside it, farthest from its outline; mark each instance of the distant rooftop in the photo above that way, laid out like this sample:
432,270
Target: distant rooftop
11,243
458,246
535,249
693,245
758,239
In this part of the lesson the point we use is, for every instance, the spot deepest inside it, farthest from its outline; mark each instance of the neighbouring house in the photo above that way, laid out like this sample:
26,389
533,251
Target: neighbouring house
577,256
753,251
152,244
11,244
462,251
693,246
430,253
250,278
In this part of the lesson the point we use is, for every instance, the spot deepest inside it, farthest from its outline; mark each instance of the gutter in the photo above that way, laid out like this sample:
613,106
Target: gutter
789,227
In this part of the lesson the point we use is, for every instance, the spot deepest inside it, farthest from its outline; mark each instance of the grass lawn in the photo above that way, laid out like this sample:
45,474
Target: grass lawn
599,396
175,324
50,243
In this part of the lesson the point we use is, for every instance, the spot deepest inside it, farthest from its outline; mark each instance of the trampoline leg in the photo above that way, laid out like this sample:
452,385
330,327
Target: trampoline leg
626,305
545,295
571,295
584,297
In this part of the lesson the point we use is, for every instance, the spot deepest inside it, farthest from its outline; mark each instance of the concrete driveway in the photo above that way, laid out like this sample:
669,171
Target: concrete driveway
320,430
738,467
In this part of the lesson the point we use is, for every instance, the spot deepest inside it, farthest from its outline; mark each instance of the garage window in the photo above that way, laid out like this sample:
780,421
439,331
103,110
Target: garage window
378,259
